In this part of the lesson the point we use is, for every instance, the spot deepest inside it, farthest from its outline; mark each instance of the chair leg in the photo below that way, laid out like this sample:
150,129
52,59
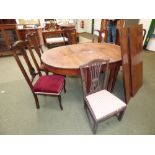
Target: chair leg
64,86
121,115
85,105
37,101
46,72
91,119
95,127
59,98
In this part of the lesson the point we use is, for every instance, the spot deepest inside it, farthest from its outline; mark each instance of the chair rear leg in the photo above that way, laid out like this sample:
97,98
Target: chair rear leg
121,115
59,98
64,86
37,101
85,105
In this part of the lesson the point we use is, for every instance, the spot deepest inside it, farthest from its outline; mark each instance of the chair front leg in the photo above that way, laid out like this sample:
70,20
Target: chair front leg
37,101
85,105
59,98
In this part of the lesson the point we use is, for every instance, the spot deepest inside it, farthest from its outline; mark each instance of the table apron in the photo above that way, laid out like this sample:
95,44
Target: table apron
76,71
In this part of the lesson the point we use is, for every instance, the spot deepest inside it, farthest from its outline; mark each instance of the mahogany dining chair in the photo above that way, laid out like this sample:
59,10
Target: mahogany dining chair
99,103
43,85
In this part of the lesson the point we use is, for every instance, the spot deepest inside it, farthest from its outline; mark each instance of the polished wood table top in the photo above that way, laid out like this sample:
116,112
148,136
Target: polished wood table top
65,60
72,56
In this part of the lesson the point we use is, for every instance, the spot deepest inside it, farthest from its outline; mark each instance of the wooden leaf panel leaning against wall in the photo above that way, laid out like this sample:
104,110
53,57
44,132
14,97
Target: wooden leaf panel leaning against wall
132,59
136,56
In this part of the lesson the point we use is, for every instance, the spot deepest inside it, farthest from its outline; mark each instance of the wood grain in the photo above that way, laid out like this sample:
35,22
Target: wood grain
72,56
126,63
65,60
136,56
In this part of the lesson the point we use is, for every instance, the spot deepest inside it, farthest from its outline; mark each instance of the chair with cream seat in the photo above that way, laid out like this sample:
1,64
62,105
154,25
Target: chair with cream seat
54,38
99,103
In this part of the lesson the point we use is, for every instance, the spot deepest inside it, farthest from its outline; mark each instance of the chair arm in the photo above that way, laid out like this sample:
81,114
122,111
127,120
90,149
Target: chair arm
100,34
144,33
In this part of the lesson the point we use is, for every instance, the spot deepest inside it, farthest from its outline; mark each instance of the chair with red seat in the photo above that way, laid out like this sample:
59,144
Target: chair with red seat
45,84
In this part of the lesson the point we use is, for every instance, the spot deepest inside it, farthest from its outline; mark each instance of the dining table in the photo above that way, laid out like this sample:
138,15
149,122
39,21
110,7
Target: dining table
65,60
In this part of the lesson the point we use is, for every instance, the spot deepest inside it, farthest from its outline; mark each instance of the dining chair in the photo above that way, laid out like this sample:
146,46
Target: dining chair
54,38
99,103
43,85
33,40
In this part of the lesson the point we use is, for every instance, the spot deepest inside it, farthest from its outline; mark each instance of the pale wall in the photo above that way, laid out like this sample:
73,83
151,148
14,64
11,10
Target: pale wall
28,21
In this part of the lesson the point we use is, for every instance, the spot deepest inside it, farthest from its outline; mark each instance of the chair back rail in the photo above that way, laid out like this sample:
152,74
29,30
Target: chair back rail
22,46
32,38
91,74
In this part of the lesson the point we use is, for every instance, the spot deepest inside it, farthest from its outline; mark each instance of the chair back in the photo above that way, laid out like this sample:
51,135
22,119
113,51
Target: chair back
34,41
92,78
53,34
23,47
71,35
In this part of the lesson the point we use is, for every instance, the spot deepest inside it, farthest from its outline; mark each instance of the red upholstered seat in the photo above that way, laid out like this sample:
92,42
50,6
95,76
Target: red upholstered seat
49,84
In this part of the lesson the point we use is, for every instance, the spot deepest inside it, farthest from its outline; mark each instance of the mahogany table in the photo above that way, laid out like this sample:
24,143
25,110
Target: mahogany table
65,60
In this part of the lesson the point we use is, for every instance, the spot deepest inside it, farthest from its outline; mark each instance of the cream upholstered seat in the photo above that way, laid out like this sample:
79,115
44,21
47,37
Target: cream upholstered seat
56,40
104,104
98,102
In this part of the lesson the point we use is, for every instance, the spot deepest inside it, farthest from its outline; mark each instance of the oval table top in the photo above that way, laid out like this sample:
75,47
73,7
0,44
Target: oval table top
72,56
